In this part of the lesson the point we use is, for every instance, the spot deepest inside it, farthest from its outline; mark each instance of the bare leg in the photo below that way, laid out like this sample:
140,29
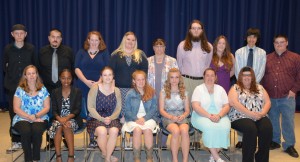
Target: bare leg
215,153
175,132
148,144
136,141
112,139
101,133
57,143
69,136
185,141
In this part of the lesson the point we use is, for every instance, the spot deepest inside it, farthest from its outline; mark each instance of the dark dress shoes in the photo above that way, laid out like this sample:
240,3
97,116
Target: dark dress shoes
239,144
274,145
292,152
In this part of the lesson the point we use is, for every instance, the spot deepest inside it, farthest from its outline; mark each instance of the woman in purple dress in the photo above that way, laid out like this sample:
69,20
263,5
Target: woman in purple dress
223,62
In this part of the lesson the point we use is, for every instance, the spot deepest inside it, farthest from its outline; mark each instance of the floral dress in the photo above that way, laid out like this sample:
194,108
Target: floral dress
65,111
31,104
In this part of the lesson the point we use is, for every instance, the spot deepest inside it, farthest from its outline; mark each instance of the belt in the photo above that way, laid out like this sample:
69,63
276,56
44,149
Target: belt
192,77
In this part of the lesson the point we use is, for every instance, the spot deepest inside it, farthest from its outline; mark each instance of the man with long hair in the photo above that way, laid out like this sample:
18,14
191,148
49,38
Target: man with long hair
194,55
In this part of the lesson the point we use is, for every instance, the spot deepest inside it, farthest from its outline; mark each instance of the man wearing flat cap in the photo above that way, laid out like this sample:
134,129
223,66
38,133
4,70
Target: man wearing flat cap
17,55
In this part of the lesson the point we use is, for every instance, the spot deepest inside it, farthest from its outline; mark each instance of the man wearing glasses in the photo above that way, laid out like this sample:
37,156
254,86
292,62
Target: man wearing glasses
282,82
194,55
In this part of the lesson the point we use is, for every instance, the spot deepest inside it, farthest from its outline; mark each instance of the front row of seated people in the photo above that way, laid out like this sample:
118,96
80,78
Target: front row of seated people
249,102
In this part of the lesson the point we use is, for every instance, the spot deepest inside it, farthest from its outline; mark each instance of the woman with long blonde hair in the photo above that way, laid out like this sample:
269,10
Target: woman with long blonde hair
124,61
174,109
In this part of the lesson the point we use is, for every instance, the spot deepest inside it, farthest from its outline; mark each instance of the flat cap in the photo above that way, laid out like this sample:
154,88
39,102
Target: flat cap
18,27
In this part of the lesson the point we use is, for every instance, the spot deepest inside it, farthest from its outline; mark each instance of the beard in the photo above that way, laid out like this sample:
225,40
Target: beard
195,38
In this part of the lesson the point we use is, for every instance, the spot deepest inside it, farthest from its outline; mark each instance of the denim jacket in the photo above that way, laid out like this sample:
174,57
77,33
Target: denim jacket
132,104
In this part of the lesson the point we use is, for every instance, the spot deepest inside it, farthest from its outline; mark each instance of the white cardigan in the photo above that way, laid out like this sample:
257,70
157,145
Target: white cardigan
201,95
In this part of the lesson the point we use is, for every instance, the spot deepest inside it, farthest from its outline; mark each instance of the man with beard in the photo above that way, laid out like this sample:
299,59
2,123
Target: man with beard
53,58
194,55
17,56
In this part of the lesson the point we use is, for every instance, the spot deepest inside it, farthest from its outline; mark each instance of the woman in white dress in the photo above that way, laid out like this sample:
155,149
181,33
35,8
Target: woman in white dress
141,114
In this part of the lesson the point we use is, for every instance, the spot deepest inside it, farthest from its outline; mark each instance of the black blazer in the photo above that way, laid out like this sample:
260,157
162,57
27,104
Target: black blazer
75,103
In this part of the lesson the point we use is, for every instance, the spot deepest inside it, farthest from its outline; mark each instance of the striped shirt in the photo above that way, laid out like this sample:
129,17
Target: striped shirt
259,61
282,74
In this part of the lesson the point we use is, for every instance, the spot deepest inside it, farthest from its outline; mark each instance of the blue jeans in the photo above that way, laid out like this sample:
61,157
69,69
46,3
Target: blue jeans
286,107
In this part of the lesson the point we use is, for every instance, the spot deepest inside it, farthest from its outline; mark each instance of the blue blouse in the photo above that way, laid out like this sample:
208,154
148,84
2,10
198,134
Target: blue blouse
31,104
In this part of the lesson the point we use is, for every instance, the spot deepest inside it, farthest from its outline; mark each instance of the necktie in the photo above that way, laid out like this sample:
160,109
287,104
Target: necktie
54,67
250,58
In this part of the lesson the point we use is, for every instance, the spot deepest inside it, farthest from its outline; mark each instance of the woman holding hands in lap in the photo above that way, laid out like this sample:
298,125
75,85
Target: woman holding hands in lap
31,105
210,104
141,115
104,105
66,108
174,109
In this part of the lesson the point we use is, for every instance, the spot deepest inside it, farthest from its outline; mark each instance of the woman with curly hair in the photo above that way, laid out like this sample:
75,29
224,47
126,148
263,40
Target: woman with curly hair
141,114
174,109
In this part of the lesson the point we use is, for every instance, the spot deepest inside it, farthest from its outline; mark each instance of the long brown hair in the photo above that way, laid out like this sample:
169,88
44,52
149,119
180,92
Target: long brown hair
148,90
203,39
226,57
101,46
253,87
23,81
181,87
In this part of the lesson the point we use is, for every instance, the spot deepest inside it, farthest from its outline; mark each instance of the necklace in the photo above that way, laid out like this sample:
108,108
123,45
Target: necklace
31,92
93,53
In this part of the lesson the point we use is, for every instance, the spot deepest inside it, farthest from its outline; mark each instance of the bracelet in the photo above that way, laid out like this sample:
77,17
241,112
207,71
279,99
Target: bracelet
35,116
219,116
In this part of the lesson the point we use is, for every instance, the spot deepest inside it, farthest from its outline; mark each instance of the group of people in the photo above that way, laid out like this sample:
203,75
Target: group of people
128,87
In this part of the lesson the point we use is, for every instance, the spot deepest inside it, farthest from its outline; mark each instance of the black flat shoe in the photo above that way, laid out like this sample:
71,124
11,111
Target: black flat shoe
239,145
292,152
274,145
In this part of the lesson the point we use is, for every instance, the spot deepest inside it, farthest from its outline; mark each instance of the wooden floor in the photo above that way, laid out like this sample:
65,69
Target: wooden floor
275,155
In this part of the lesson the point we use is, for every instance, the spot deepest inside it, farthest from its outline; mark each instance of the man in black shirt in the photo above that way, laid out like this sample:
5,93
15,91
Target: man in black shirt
17,56
65,59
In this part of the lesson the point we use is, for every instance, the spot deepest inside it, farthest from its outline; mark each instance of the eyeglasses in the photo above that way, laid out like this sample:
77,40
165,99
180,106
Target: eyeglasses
159,46
196,28
248,75
281,42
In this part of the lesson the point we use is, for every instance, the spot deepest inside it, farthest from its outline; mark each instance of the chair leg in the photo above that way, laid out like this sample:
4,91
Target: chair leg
225,155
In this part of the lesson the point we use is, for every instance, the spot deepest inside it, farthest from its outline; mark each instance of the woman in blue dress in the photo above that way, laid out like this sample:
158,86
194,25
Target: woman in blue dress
210,105
31,105
89,61
104,105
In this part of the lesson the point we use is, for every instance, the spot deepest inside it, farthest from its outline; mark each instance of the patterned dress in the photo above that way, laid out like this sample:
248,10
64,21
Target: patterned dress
253,102
65,111
105,106
173,106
